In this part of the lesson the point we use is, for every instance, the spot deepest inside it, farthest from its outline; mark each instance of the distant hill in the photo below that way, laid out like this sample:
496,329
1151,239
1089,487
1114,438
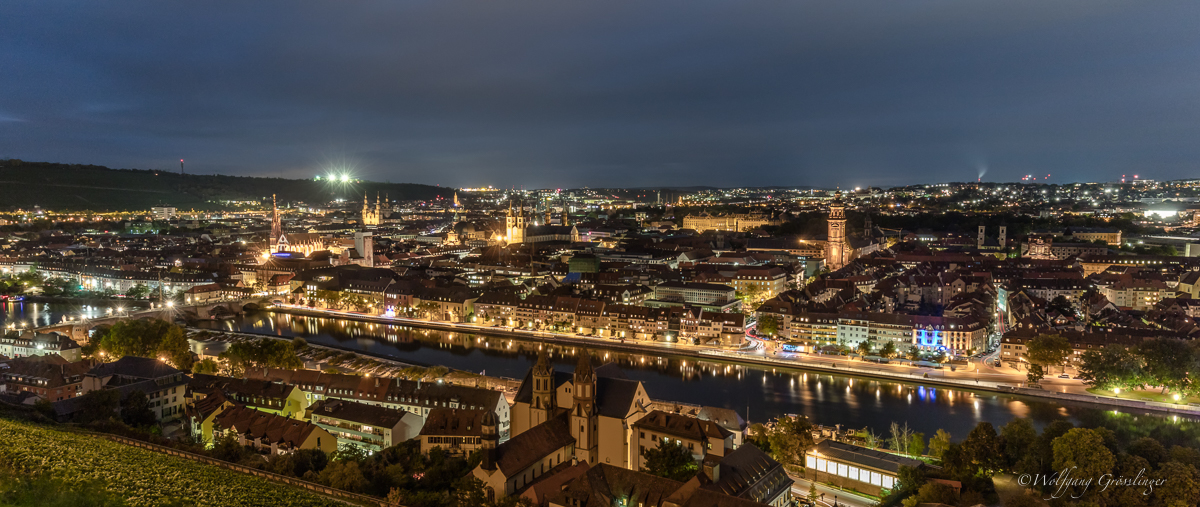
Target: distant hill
77,187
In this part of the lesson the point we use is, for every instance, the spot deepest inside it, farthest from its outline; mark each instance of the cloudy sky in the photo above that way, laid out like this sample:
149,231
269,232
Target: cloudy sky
609,93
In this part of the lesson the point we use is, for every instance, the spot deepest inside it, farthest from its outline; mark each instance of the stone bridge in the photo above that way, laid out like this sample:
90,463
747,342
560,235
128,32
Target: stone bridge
79,330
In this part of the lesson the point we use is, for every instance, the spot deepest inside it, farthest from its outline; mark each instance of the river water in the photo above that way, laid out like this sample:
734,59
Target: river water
27,314
762,393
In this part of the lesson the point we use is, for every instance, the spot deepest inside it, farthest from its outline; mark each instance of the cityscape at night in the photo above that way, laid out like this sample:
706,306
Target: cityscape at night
672,254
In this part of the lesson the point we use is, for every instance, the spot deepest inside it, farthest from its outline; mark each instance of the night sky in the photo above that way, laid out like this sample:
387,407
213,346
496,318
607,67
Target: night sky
609,93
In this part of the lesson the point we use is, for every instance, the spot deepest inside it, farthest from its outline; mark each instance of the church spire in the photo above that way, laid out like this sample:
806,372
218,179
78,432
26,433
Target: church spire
276,225
542,368
584,371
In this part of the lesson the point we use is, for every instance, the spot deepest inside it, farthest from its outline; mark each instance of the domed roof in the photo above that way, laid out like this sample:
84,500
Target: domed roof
489,419
462,227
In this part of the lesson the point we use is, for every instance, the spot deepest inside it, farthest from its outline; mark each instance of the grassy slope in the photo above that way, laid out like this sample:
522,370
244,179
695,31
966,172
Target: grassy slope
79,187
142,477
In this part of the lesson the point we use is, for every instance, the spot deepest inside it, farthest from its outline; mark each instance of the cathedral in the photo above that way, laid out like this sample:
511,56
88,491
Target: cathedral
515,224
372,216
519,227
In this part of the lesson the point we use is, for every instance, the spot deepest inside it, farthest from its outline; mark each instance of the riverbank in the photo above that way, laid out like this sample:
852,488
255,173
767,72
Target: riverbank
816,364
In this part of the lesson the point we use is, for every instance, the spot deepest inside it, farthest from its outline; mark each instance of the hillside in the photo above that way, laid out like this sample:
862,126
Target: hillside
140,477
78,187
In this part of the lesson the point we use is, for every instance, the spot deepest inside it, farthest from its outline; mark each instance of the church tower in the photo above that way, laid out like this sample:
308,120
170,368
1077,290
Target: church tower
835,247
372,216
489,428
515,224
542,408
276,226
584,420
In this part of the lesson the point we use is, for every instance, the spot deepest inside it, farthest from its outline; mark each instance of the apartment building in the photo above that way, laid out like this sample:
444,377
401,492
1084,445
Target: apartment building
373,428
695,293
704,439
270,433
50,377
412,396
458,432
163,385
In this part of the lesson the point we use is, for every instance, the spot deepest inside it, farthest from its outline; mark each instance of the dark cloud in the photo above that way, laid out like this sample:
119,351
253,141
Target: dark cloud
624,93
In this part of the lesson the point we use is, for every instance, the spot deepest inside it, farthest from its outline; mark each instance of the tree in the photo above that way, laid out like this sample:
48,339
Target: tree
1035,374
871,439
791,438
939,443
261,353
932,493
670,460
1048,350
916,444
1130,466
428,309
349,452
888,350
135,410
206,367
1180,485
914,354
98,405
227,448
1062,305
344,475
1040,457
1149,449
864,348
982,450
1167,362
901,438
910,478
299,462
146,338
139,291
760,437
174,347
1082,450
1111,367
750,295
468,492
768,324
1016,437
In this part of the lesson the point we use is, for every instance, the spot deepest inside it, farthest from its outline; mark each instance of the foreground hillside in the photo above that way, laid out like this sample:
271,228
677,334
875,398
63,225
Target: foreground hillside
139,476
98,188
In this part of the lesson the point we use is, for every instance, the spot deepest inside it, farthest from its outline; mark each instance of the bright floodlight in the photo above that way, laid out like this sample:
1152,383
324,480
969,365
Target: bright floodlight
345,178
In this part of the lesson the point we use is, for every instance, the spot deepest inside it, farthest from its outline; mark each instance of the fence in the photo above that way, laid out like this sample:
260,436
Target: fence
291,481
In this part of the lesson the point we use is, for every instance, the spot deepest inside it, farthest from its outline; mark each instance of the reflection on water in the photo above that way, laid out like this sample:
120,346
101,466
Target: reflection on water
25,314
759,392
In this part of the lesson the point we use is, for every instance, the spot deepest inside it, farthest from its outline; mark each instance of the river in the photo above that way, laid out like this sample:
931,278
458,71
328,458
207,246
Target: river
27,314
761,393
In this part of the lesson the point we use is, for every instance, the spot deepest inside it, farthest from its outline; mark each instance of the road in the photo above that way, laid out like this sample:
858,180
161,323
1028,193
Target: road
832,495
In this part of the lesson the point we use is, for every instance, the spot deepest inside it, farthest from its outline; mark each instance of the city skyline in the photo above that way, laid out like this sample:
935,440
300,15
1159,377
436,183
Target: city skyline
619,95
